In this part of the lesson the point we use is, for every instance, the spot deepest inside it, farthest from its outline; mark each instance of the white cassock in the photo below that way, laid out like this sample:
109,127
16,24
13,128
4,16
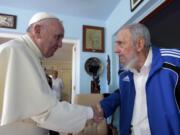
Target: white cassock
26,100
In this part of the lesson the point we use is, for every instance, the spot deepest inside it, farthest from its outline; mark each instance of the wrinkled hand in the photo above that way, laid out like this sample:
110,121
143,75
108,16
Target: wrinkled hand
98,113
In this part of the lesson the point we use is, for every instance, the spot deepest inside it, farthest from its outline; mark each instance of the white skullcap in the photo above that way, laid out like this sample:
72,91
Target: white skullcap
40,16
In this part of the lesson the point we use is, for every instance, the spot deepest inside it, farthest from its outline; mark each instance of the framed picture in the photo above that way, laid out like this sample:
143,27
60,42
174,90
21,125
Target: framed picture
93,39
134,4
7,21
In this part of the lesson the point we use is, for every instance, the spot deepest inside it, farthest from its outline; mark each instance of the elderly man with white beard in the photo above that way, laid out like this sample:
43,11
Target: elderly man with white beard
149,86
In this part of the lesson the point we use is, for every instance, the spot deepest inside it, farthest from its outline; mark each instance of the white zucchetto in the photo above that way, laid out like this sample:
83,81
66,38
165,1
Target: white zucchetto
40,16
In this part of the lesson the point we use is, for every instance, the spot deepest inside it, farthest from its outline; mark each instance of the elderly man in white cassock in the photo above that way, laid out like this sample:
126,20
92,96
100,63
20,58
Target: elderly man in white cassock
27,105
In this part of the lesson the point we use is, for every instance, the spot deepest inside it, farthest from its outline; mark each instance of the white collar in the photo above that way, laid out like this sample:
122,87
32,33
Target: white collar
32,46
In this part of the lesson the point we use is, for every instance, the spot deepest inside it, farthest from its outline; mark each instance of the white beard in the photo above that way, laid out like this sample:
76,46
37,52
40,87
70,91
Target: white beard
130,65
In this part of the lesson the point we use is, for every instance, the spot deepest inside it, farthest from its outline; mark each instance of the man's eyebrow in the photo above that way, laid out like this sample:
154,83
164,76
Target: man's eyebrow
117,41
60,35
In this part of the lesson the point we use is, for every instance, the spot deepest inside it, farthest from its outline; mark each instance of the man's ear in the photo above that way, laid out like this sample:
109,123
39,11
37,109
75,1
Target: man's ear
37,30
140,44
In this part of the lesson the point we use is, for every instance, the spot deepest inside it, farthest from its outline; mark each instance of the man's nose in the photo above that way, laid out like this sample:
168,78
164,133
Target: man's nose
117,49
60,44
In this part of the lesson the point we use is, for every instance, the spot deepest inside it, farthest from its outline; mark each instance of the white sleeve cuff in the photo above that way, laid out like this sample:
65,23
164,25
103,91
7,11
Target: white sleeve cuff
90,113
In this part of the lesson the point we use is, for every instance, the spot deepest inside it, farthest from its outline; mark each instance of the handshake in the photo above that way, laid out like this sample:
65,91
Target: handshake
98,113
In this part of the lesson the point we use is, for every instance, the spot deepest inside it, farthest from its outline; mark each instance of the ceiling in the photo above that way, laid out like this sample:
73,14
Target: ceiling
93,9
